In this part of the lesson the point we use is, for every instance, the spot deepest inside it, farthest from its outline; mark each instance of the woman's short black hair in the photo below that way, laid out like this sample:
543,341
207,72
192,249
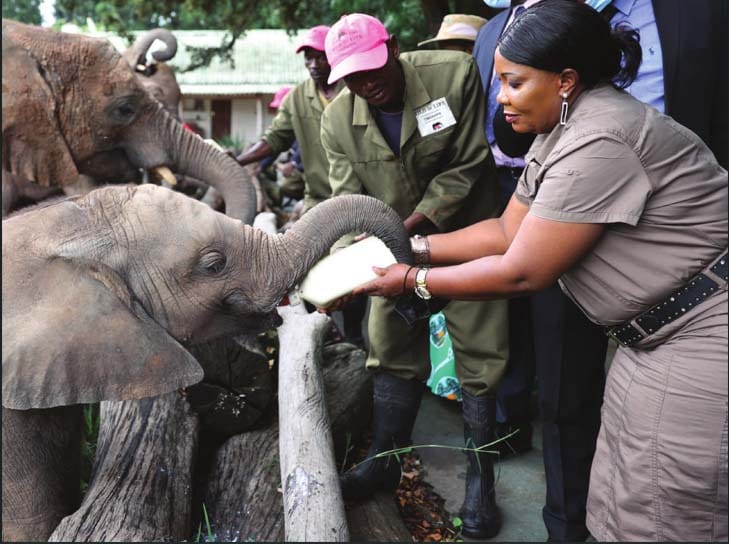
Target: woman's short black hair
556,34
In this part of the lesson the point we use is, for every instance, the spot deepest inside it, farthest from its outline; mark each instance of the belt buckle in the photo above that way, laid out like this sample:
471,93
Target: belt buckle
626,335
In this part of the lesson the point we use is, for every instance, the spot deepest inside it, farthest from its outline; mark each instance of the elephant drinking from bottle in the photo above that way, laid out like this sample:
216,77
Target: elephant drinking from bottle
104,293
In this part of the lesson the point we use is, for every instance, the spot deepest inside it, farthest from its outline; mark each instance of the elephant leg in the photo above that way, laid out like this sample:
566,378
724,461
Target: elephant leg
41,470
9,195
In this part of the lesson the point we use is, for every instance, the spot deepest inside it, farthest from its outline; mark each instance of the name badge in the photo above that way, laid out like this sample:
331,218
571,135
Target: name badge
434,117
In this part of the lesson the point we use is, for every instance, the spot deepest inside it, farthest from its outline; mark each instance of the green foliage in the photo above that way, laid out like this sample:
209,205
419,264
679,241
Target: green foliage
458,526
231,142
88,443
410,20
25,11
209,537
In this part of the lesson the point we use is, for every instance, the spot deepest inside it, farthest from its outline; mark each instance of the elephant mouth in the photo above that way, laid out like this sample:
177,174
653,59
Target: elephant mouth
266,322
111,166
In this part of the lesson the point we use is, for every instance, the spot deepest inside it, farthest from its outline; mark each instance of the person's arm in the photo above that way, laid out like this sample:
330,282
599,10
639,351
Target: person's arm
279,136
599,183
259,150
488,237
540,253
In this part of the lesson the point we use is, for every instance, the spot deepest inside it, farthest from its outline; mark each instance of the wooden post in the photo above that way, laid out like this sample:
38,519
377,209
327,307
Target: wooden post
141,486
313,505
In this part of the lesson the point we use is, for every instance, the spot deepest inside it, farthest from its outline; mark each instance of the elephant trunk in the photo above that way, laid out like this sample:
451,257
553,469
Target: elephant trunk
312,236
193,157
137,53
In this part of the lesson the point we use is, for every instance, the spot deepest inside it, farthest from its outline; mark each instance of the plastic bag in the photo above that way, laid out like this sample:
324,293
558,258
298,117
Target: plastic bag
442,381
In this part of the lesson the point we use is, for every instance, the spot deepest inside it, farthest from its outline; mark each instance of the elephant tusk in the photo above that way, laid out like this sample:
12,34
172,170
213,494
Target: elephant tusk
166,174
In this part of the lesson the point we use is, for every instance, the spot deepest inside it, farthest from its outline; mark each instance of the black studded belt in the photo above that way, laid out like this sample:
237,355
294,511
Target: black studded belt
701,287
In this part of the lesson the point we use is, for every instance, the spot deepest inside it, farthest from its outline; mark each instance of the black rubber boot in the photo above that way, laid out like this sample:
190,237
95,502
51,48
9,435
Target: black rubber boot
479,513
396,403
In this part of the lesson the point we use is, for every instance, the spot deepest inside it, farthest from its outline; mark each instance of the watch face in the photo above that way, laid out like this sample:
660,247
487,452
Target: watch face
420,289
422,292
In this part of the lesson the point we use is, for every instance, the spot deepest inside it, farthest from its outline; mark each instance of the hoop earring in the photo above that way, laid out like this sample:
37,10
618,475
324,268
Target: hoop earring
563,112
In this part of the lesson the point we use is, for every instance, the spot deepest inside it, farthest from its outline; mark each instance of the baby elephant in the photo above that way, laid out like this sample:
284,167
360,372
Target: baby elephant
103,293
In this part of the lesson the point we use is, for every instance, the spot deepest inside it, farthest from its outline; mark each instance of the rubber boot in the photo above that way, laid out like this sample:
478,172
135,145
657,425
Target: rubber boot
396,403
479,513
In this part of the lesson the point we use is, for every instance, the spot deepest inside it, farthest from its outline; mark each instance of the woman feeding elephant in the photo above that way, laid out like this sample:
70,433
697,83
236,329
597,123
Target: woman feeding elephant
101,295
72,105
628,209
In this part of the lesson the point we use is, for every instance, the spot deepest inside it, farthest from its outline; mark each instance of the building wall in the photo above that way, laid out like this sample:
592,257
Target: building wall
196,112
250,116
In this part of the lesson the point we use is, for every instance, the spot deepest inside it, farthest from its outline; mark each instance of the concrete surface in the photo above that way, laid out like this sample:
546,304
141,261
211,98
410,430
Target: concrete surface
520,485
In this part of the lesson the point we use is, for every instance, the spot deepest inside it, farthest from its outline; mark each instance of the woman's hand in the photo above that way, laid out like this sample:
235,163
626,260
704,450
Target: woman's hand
390,283
336,305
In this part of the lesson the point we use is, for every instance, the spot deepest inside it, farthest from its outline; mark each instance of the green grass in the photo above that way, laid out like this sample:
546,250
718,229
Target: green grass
209,537
88,443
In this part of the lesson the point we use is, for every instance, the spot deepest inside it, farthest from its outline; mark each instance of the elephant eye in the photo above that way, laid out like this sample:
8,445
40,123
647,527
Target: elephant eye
124,112
213,263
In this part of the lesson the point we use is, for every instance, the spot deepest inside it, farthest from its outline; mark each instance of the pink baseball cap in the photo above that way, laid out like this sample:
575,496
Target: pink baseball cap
278,97
356,43
314,38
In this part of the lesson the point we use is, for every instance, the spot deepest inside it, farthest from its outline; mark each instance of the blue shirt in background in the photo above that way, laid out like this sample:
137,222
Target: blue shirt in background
648,86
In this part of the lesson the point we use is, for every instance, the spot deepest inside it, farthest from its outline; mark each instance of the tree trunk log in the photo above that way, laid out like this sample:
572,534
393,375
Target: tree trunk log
132,496
313,504
141,486
377,519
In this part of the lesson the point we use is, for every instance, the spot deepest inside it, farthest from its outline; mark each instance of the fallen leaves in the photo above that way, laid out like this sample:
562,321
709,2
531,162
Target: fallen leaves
422,509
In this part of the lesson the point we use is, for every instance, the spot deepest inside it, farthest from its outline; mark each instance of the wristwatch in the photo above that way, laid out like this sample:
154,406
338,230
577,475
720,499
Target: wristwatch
420,288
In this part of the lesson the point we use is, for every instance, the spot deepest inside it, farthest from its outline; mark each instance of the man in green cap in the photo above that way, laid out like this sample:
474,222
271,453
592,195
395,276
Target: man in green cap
409,131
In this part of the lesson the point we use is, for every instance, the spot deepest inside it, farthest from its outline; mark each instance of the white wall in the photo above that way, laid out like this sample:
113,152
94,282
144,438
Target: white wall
249,117
244,118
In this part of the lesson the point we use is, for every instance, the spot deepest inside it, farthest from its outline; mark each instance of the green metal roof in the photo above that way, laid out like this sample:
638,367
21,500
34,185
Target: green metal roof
265,60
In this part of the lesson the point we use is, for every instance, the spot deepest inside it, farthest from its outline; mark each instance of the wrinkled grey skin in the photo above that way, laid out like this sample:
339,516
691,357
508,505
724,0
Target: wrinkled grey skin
72,105
150,271
157,78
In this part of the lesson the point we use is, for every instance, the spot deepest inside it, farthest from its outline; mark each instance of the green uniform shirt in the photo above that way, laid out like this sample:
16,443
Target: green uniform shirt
299,118
448,175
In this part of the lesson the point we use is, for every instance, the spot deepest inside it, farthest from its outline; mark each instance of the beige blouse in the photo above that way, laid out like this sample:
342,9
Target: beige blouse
654,183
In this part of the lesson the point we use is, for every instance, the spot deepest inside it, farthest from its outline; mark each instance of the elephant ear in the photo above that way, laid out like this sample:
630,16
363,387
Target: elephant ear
70,337
34,147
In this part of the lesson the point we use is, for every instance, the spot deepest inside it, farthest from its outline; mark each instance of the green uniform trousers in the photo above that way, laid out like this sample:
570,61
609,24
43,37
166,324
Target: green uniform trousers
477,330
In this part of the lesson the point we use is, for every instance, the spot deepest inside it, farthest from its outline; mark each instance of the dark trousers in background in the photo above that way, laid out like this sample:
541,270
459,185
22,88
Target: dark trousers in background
570,355
549,336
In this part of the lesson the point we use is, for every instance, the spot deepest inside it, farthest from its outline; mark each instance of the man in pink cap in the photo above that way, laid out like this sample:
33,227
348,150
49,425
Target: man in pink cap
278,98
299,119
409,131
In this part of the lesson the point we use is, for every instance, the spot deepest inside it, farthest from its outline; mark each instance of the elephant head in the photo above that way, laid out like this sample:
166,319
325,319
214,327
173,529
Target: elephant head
149,271
156,77
104,293
72,105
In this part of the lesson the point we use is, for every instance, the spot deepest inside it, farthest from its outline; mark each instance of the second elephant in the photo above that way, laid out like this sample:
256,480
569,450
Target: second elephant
72,105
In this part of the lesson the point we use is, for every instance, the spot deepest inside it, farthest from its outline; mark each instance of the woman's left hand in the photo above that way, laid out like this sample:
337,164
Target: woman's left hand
390,282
